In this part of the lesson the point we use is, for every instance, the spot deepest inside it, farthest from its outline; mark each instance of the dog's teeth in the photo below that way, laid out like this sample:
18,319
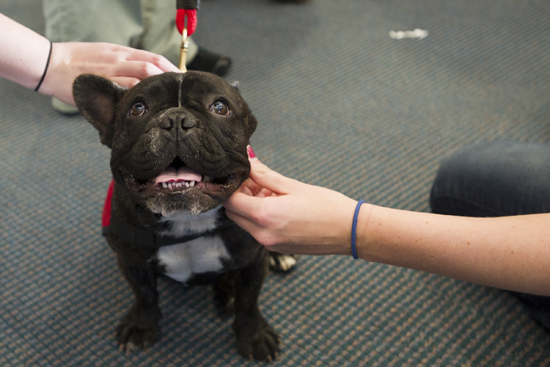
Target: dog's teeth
178,185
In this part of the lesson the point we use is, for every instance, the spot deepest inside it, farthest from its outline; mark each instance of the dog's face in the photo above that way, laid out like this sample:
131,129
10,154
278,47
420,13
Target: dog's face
178,140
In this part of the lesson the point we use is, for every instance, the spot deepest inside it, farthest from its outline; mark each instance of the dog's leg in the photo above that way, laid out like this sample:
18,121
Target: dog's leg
255,338
139,328
224,293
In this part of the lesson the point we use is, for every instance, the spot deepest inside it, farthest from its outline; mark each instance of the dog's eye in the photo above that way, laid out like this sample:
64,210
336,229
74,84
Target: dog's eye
138,109
219,108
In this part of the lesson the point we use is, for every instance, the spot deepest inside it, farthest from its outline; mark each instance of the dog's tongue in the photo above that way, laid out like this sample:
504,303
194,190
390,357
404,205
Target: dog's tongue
171,174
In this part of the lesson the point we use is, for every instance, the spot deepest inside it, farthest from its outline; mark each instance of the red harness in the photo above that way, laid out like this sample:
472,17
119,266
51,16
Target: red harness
106,214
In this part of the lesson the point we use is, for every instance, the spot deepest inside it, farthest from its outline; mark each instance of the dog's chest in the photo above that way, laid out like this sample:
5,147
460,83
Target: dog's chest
201,255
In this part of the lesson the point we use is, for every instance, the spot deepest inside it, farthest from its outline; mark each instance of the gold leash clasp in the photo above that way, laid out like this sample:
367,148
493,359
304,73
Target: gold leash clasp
183,50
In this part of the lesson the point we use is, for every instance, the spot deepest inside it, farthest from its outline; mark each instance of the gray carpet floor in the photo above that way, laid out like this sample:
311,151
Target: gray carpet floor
340,104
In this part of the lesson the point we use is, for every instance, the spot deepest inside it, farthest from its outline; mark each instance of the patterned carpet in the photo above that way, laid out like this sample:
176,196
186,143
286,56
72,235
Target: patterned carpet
340,104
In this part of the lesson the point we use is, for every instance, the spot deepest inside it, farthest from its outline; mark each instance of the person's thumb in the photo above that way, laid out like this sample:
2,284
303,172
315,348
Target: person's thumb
266,177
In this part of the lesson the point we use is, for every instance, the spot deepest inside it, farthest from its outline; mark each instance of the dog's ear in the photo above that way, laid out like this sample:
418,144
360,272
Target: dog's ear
235,84
97,99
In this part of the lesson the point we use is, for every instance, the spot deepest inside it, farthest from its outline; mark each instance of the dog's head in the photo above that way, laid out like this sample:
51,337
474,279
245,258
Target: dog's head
178,141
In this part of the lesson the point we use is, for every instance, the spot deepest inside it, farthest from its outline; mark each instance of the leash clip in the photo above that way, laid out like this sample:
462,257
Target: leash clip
183,50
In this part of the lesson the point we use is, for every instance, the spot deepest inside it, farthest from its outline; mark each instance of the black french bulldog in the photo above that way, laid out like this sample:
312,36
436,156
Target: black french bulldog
178,150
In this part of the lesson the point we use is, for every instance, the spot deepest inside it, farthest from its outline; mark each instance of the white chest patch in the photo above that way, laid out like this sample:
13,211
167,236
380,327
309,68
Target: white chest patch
182,224
194,257
201,255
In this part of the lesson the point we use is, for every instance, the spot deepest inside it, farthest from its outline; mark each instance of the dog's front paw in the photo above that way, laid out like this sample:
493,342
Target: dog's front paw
263,345
131,337
137,331
282,263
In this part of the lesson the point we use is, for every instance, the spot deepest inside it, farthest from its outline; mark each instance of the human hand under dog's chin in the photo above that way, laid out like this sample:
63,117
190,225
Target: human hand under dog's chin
289,216
123,65
251,187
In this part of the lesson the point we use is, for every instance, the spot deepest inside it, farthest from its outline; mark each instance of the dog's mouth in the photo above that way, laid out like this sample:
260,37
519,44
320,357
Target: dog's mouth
179,178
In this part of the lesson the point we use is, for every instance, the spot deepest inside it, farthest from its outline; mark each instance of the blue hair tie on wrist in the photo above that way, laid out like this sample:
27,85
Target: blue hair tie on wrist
354,230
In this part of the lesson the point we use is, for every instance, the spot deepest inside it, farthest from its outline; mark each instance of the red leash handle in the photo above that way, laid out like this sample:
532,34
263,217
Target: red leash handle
191,15
187,9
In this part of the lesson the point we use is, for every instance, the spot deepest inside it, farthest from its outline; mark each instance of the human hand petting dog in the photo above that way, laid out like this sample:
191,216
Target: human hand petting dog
123,65
289,216
30,60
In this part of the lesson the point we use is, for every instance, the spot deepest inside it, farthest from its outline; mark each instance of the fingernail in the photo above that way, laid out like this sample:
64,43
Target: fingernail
250,152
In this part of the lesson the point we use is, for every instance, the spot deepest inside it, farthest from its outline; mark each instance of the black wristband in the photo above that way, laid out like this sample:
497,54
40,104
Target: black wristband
45,69
188,4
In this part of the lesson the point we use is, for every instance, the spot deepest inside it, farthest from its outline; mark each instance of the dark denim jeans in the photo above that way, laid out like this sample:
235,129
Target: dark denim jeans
497,179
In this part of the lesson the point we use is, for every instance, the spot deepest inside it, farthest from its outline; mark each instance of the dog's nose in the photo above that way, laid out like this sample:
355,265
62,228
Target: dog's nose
177,120
187,123
166,123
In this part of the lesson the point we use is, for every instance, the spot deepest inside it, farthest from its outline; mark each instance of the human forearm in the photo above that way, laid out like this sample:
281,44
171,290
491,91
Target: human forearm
24,53
509,252
291,217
